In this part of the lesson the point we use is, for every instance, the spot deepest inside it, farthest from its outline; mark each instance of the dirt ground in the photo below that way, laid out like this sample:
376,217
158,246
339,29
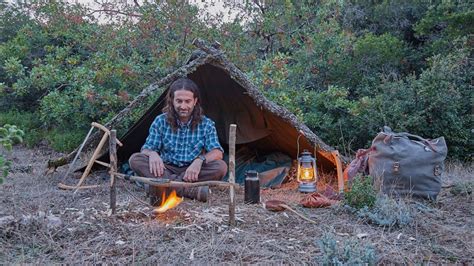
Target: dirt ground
40,223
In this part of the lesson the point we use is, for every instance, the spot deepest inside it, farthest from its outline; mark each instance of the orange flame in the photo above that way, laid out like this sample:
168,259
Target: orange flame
172,201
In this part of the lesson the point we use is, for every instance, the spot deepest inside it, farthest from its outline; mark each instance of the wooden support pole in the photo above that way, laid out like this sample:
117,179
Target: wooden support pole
113,169
232,133
340,174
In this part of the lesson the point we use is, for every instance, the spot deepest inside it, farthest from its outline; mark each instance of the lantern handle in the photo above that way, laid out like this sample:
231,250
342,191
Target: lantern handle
301,133
298,143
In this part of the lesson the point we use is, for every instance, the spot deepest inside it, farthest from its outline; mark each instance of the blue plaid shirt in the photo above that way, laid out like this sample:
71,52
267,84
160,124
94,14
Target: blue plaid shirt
180,148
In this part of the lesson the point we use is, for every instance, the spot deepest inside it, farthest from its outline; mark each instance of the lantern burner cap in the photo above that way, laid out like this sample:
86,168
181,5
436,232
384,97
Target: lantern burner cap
307,187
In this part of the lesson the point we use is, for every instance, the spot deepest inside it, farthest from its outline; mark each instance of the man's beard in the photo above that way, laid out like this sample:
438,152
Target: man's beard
184,114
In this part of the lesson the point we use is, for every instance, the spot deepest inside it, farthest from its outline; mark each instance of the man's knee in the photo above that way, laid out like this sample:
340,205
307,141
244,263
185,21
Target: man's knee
137,160
221,168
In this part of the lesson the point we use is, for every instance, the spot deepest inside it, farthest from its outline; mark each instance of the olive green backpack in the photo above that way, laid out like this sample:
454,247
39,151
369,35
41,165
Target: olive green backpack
407,164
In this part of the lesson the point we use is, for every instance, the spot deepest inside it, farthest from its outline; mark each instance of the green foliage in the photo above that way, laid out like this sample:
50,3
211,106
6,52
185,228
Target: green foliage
376,57
462,188
378,17
351,253
4,167
65,141
61,139
11,20
444,23
361,194
387,212
437,103
273,83
29,122
9,135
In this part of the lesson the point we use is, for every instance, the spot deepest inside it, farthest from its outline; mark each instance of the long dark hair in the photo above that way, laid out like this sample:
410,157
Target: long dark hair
171,115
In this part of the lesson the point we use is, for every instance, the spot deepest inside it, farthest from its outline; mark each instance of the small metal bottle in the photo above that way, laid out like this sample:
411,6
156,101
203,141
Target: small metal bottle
252,187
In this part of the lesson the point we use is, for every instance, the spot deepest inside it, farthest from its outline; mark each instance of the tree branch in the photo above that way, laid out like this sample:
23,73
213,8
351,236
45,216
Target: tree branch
116,12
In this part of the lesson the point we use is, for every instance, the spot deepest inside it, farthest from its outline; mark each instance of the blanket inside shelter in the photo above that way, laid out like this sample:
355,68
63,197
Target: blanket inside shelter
272,167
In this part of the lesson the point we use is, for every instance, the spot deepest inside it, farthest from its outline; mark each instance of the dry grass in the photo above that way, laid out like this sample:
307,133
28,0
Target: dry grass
197,233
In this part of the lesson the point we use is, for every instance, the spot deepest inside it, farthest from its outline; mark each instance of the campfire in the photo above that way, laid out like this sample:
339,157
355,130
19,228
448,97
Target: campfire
168,202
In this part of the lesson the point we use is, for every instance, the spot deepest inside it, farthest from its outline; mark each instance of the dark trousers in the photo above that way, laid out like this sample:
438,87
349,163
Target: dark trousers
214,170
139,163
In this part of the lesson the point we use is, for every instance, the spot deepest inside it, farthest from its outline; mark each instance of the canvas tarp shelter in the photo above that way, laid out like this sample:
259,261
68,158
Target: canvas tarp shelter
227,97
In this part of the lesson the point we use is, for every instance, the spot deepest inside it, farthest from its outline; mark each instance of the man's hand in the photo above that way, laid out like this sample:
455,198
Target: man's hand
157,167
192,173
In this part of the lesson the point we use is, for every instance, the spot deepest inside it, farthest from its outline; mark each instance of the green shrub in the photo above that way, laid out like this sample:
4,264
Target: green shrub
361,194
60,139
28,121
351,253
9,135
376,57
387,212
65,141
462,188
435,103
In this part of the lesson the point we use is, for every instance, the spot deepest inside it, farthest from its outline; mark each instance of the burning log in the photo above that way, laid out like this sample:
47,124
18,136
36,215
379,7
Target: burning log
171,201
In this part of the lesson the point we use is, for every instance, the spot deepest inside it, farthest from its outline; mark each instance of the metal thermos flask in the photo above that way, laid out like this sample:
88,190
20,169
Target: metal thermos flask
252,187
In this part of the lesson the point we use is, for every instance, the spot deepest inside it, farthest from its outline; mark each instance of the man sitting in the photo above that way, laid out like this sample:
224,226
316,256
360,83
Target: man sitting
176,141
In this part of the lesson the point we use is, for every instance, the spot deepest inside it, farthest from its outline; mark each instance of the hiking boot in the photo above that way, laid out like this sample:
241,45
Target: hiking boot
197,193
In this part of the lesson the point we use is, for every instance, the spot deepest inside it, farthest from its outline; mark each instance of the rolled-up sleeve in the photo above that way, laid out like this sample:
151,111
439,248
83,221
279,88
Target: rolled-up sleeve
154,139
211,139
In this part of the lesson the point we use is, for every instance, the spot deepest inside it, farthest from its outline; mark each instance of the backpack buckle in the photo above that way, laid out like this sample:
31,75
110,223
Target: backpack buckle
396,167
437,170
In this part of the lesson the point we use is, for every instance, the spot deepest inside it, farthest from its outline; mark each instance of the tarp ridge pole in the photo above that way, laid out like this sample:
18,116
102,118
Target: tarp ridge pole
113,169
232,133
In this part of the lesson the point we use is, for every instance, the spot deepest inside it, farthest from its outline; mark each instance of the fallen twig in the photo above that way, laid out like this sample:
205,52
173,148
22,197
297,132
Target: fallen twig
276,205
